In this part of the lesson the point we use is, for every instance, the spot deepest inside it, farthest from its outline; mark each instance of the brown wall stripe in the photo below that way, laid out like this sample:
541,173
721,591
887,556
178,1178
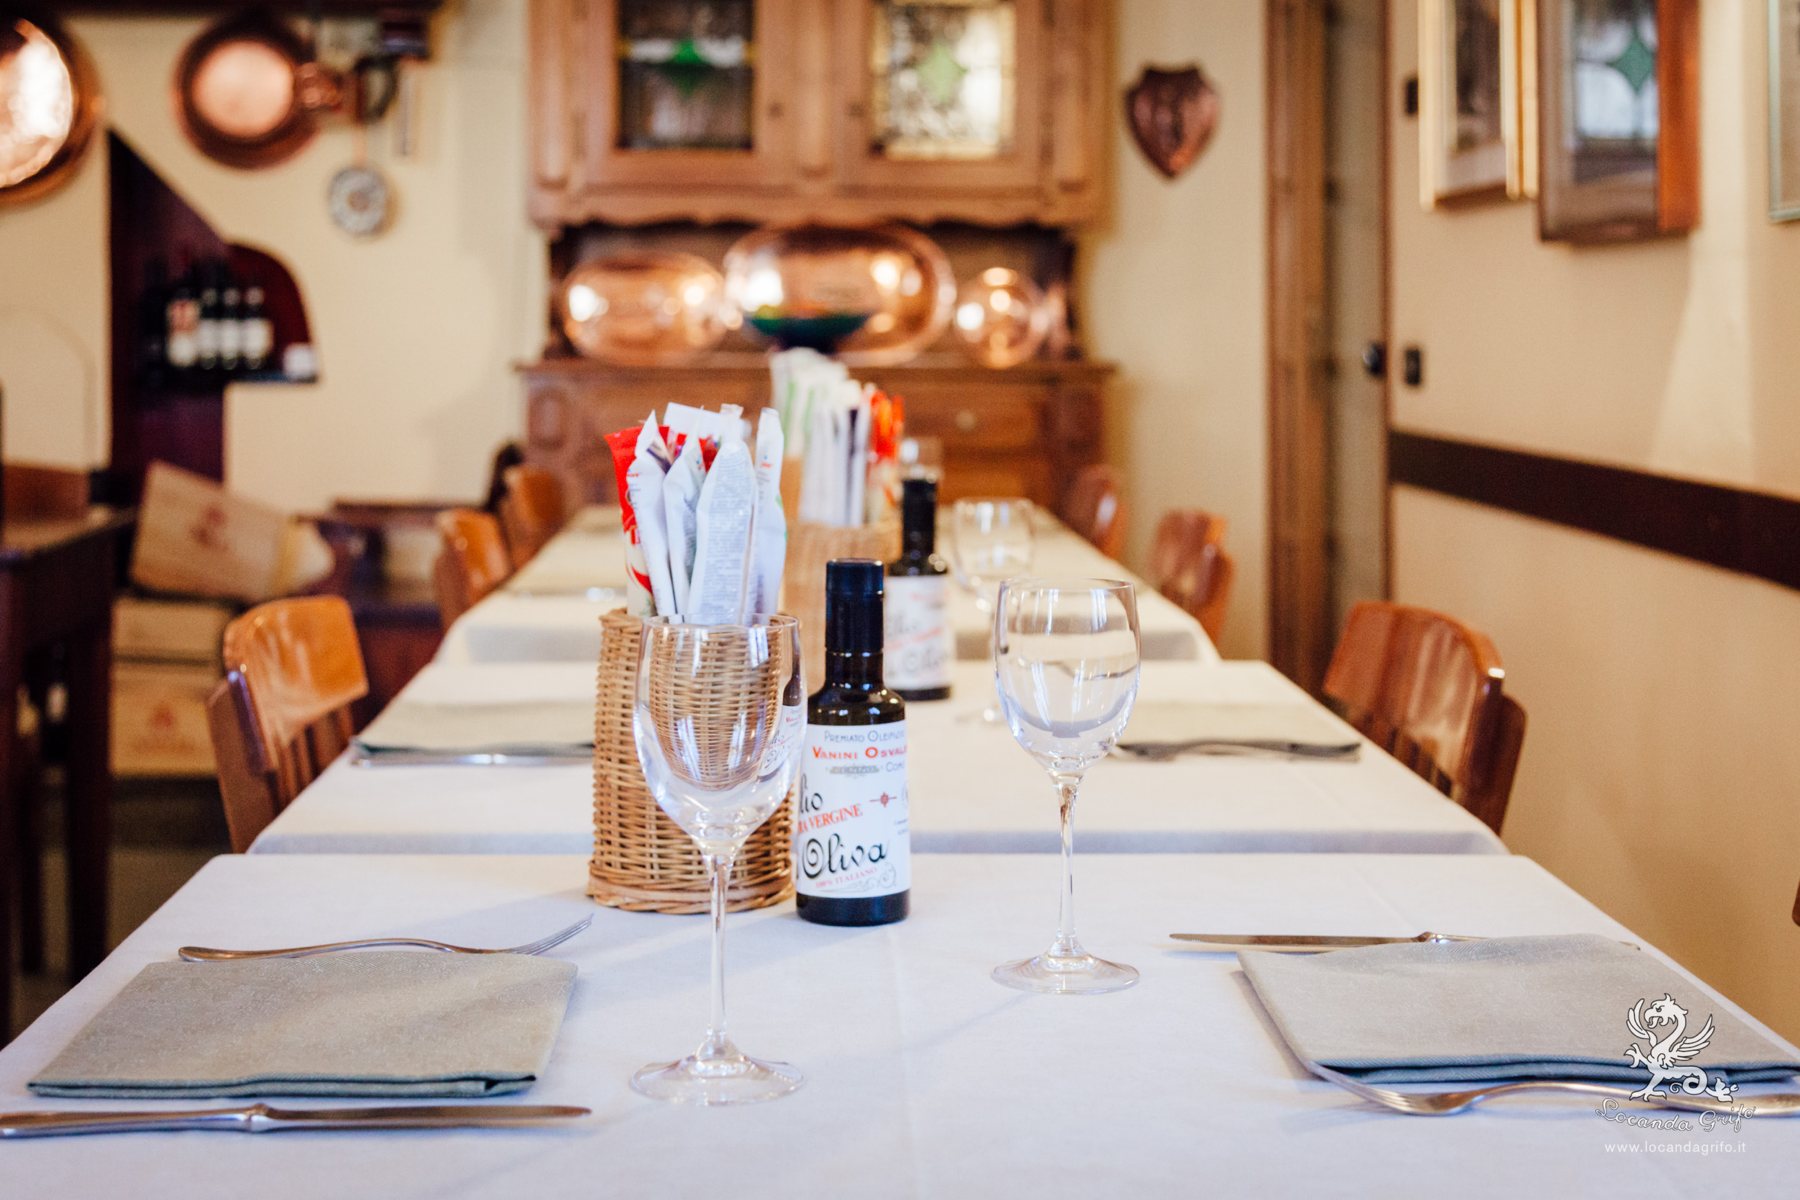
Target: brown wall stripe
1750,532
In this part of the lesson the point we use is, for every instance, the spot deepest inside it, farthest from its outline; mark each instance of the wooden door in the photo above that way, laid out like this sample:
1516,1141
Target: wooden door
941,98
644,102
1300,633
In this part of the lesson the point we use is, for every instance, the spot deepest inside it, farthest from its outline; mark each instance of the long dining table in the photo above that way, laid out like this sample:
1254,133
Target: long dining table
923,1078
549,610
970,787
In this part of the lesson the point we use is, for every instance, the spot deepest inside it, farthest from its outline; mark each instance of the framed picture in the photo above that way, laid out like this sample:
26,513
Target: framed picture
1619,119
1784,110
1477,101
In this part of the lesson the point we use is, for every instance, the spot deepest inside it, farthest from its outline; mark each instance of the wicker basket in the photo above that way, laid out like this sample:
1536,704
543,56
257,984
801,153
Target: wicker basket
809,548
642,860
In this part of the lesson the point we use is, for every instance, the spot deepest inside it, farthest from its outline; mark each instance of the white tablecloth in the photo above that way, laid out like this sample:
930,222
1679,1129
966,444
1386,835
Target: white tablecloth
924,1078
528,621
971,787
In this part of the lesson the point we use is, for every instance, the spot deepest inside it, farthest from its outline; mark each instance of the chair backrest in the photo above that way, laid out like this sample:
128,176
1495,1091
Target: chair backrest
1190,565
531,511
1094,507
472,563
282,712
1430,690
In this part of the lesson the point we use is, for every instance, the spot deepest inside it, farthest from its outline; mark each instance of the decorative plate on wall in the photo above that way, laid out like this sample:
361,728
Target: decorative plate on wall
239,94
49,102
360,201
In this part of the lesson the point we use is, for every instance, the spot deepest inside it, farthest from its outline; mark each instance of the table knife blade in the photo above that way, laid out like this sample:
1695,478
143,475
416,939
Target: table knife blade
260,1118
1302,943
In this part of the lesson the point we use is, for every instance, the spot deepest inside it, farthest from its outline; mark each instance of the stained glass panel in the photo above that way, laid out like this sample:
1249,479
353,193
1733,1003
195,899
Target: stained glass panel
943,76
685,74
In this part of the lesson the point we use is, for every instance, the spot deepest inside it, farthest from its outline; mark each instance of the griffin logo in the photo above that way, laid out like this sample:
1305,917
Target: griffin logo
1666,1056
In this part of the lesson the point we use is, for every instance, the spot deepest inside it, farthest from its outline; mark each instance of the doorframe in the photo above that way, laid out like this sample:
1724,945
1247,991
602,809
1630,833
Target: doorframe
1302,630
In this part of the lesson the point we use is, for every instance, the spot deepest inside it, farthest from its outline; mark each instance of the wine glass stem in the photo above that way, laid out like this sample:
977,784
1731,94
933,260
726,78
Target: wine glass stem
718,876
1065,927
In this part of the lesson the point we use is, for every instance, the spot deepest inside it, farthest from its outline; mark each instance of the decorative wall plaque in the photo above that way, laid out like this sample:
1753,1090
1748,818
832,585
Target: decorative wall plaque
1172,114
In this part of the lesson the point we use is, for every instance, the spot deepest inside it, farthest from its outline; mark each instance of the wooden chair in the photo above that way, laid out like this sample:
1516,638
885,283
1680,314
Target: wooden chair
1095,508
282,712
531,511
1190,565
472,563
1430,690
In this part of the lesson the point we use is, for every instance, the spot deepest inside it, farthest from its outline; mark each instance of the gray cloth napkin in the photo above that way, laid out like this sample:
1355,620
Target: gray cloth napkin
538,727
1505,1008
1274,724
369,1023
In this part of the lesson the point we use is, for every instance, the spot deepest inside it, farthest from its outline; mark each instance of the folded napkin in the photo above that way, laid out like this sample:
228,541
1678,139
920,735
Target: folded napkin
545,727
1504,1008
370,1023
1161,724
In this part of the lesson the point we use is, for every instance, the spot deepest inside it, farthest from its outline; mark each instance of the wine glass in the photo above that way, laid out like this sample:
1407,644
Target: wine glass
718,721
990,542
1066,658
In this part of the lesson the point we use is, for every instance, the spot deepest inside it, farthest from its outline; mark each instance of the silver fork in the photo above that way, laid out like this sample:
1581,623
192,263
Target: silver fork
207,954
1442,1104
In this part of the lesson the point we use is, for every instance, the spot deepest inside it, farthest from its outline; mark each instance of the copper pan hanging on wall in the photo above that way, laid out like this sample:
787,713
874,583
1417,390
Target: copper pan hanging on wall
246,92
1172,114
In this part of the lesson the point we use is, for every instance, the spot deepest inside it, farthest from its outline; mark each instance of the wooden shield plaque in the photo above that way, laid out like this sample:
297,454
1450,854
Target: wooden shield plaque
1172,116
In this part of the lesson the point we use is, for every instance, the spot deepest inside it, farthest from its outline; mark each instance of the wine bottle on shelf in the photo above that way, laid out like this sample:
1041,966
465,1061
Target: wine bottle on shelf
153,324
852,845
231,329
920,645
258,333
207,338
182,343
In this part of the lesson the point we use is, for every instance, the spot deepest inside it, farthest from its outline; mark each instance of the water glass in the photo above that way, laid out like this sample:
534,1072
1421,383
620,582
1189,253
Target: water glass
1066,665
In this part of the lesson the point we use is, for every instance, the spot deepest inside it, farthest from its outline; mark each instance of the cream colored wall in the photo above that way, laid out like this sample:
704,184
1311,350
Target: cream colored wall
1175,296
1661,771
415,330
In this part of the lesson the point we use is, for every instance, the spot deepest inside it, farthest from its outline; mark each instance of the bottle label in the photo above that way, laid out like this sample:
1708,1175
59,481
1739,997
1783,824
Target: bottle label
919,645
851,838
259,339
208,338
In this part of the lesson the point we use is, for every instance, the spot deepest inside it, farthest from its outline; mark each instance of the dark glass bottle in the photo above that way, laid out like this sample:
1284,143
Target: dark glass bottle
259,334
919,640
852,845
153,325
231,330
207,336
182,342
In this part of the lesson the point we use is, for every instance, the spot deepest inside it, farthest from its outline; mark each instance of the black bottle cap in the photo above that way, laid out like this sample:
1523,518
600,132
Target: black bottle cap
853,590
918,509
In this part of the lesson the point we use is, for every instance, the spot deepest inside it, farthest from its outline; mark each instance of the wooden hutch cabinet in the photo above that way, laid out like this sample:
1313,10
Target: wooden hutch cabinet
835,110
682,124
1018,432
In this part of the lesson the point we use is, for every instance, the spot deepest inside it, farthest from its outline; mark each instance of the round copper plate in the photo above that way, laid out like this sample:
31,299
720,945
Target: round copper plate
49,102
237,92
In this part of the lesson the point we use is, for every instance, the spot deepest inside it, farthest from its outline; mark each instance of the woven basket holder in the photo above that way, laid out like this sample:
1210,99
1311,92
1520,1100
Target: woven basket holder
643,861
809,548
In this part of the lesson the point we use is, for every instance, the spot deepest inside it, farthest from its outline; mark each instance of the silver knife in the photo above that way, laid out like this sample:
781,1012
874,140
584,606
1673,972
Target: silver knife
1303,943
260,1118
477,758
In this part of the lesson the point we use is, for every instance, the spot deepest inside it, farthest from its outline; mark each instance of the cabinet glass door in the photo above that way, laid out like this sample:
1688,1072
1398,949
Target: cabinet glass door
948,83
683,95
685,74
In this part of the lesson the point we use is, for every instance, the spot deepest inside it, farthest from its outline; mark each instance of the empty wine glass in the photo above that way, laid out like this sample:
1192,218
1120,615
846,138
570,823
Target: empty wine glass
990,542
1066,659
718,721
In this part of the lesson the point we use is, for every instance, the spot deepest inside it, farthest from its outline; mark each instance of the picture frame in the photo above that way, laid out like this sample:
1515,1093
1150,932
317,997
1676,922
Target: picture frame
1477,100
1784,110
1618,105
